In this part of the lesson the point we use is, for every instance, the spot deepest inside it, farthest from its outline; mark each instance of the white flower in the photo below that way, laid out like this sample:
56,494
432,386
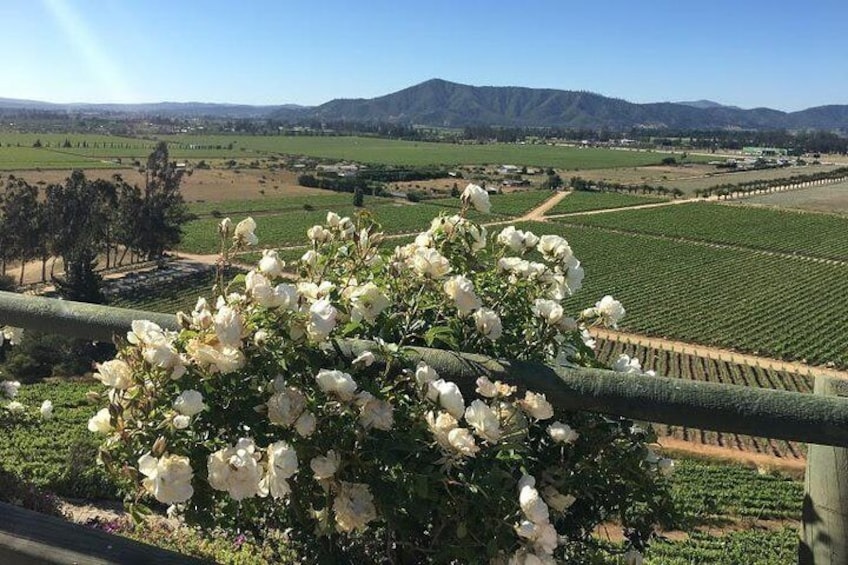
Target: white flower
271,265
11,334
665,466
375,413
484,420
236,470
244,232
532,505
225,228
517,241
365,358
556,500
282,295
9,389
441,425
336,382
574,275
549,310
461,440
325,466
588,341
609,310
536,406
625,364
286,406
101,423
181,421
322,320
562,433
461,290
47,410
305,424
554,248
156,346
168,477
229,325
427,262
477,197
312,292
424,374
448,395
319,234
486,388
367,302
310,258
189,403
282,464
354,507
221,359
15,407
201,316
488,323
543,536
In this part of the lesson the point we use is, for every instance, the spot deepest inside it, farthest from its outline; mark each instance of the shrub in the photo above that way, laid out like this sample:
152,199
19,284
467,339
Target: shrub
256,416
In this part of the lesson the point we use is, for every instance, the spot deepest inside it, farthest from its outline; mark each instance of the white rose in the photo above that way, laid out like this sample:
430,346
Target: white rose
367,302
554,248
325,466
461,291
448,395
319,234
305,424
428,262
425,374
271,265
550,311
536,406
236,470
310,258
461,440
488,323
244,232
477,197
336,382
366,358
221,359
512,239
532,505
225,228
556,500
609,310
282,465
168,478
201,316
484,420
322,320
441,425
574,275
375,413
181,422
286,406
229,325
562,433
47,410
11,334
16,407
189,403
9,389
624,364
354,507
100,423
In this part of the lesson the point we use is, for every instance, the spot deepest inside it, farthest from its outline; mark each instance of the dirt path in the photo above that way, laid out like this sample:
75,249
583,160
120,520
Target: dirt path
679,447
537,214
717,353
624,208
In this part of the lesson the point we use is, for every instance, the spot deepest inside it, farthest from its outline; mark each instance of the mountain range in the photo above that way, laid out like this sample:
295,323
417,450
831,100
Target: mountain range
440,103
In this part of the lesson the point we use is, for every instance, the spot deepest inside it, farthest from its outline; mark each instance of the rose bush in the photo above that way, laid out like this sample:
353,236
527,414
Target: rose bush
250,417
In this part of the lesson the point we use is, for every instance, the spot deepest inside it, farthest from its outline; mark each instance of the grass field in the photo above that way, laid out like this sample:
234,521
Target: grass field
816,235
831,198
579,201
361,149
735,299
15,158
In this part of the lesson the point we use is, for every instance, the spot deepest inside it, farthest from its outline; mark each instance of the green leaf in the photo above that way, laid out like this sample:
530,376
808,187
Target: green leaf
441,334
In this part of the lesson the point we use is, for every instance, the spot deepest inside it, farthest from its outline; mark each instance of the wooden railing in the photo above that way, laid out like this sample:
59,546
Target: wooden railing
820,419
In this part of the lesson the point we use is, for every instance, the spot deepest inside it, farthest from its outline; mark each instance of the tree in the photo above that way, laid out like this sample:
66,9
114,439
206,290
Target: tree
163,210
358,197
20,221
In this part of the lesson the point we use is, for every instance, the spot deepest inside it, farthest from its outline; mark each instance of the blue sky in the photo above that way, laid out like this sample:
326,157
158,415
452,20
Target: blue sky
780,54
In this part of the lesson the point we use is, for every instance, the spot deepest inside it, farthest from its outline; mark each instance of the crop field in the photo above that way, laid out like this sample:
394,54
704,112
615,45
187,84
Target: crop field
361,149
815,235
684,366
14,158
181,295
736,299
831,198
581,201
690,185
274,204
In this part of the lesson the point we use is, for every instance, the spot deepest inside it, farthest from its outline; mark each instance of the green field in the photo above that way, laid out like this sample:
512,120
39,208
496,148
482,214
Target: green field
329,200
816,235
831,198
730,298
14,158
361,149
581,201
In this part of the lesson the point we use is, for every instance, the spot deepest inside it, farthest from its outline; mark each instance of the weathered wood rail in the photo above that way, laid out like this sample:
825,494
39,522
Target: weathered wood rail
820,419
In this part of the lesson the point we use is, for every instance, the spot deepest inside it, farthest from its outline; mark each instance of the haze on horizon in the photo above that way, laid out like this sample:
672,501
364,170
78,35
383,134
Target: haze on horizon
266,52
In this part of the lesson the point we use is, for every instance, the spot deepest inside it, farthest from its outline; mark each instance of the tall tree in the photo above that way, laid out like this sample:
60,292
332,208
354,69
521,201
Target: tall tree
163,210
20,221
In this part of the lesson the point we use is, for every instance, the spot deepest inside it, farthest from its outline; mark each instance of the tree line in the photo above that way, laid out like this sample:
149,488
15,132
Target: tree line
82,219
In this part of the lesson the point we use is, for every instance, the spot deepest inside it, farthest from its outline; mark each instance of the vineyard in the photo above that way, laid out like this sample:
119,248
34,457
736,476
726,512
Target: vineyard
735,299
815,235
584,201
511,204
684,366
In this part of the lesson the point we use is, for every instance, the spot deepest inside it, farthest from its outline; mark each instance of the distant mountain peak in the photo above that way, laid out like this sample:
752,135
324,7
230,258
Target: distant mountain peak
704,104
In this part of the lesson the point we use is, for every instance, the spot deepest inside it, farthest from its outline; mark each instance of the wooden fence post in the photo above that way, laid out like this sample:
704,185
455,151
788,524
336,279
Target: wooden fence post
824,517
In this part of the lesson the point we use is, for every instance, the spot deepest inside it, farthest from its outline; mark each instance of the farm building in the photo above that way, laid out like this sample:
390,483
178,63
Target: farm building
764,151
